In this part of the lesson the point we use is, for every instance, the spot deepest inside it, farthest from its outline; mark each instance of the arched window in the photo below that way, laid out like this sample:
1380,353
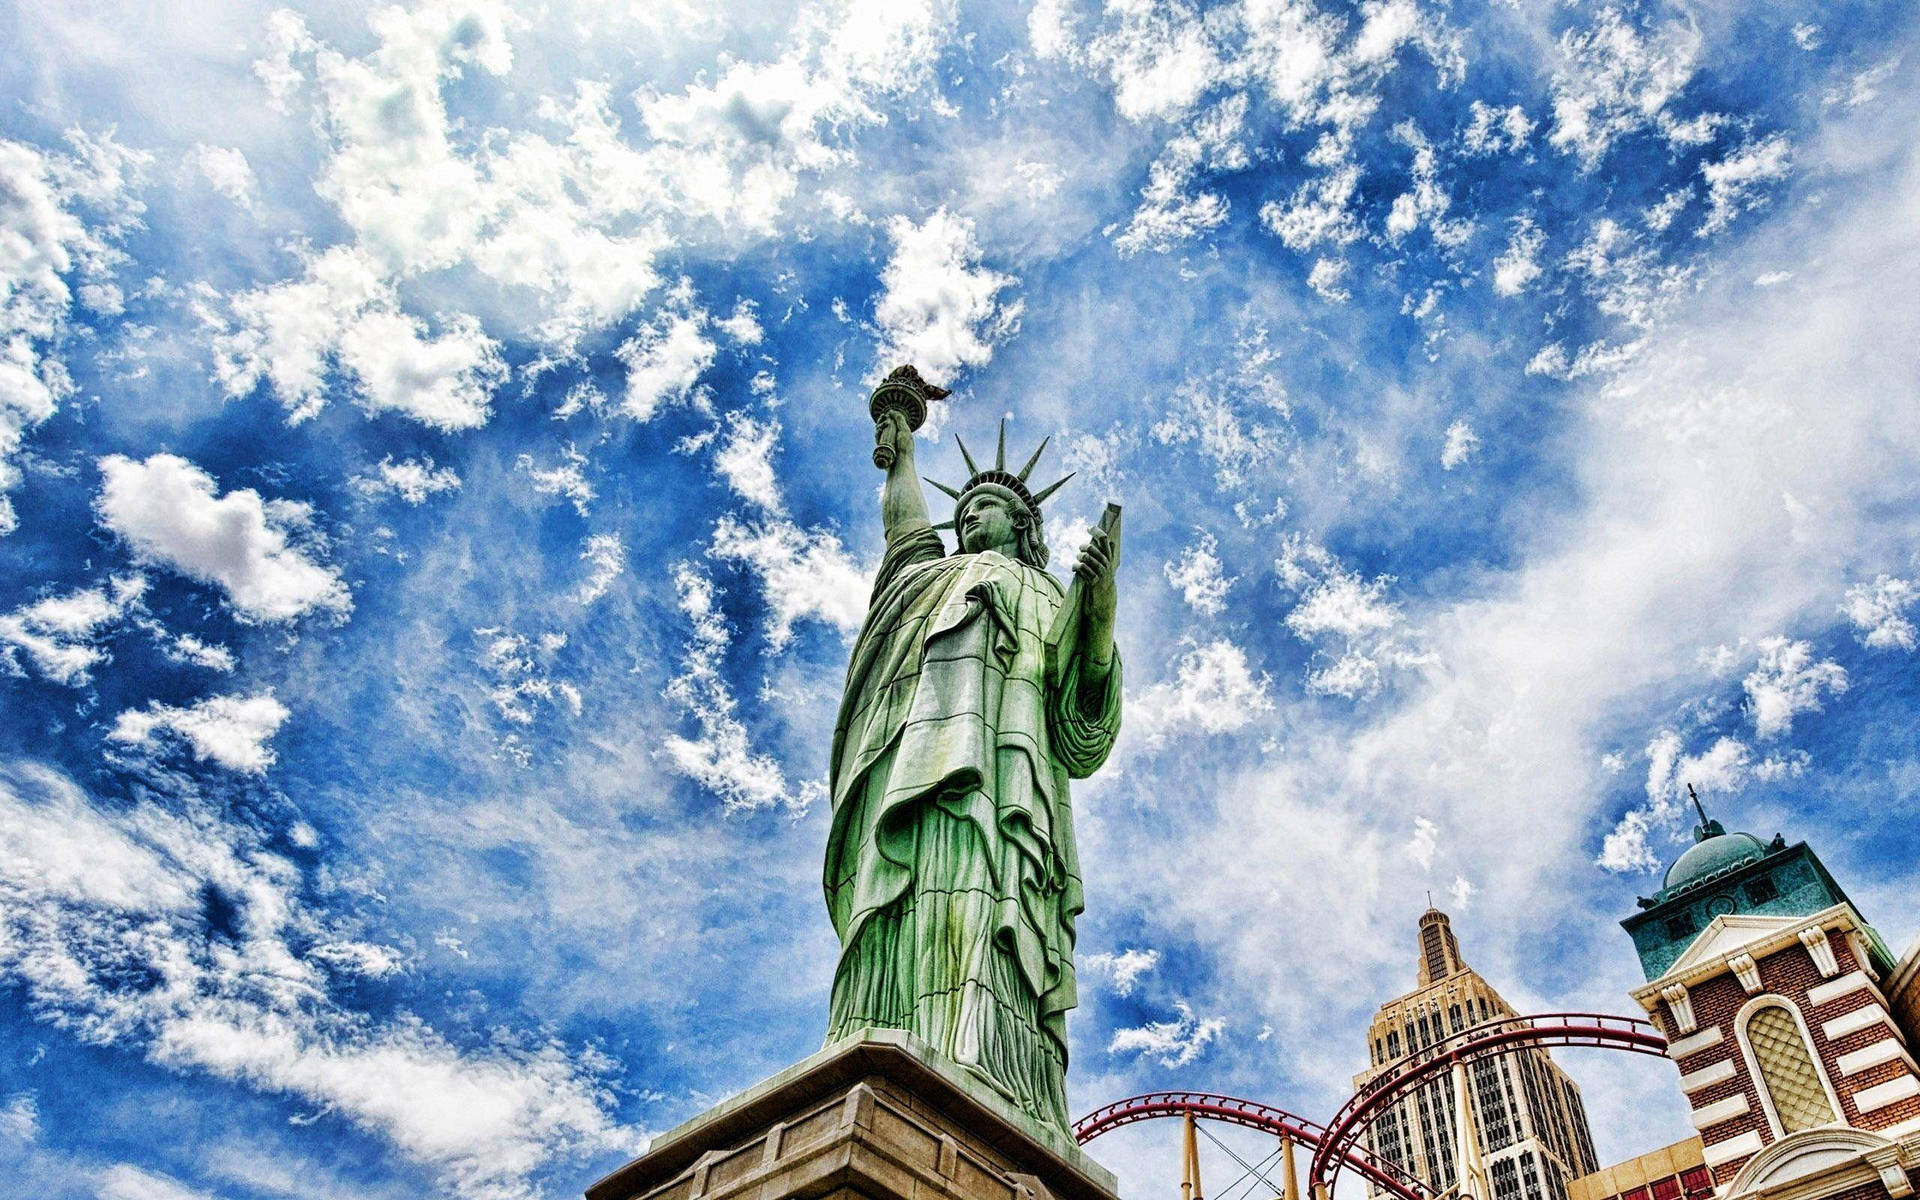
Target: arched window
1789,1078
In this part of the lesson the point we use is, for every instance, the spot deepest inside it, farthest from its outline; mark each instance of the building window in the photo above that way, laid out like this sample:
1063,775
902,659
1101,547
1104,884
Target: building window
1762,890
1680,926
1788,1074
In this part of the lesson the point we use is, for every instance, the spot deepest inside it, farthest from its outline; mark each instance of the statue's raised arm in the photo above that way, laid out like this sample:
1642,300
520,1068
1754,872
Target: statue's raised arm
979,686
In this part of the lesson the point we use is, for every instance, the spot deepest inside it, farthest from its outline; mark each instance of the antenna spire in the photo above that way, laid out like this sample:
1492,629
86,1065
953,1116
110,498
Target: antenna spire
1697,806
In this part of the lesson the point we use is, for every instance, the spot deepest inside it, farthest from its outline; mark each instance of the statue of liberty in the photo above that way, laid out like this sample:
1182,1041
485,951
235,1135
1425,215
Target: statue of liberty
978,688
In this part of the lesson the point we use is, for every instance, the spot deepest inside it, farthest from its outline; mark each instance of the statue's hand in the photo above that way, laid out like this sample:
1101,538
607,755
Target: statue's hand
1095,568
892,433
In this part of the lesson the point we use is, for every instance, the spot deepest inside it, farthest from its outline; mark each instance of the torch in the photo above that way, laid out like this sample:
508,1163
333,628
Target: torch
905,392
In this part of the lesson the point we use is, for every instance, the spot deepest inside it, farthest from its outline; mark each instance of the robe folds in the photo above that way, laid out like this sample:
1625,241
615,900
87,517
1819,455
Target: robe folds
951,874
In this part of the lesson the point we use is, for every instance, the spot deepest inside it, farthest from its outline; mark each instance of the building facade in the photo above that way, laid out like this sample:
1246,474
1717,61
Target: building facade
1527,1136
1788,1019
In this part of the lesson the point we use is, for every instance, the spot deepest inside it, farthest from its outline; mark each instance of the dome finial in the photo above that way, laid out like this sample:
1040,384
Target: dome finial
1708,827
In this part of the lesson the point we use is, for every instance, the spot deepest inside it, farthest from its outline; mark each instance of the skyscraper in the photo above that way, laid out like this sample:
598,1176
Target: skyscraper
1530,1126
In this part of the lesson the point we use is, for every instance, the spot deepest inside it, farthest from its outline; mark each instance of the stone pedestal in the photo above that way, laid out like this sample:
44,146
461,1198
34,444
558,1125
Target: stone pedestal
878,1116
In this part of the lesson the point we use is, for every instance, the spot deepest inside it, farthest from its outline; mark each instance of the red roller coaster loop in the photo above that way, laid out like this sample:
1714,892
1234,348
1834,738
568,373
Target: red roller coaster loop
1504,1036
1251,1115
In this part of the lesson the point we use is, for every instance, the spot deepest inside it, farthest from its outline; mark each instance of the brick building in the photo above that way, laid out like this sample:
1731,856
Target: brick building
1529,1127
1789,1021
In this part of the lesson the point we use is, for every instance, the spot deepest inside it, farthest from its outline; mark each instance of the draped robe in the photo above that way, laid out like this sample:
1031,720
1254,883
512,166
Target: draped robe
951,874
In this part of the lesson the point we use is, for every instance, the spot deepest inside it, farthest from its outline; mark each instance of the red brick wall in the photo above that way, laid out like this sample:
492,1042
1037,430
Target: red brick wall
1789,972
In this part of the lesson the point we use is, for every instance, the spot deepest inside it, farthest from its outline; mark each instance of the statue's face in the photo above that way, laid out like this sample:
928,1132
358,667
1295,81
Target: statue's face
987,525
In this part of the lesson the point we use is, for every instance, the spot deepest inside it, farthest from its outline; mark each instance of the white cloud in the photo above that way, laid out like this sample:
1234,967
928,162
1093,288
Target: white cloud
745,461
606,554
1426,203
721,758
226,170
1496,130
1327,280
1172,210
1626,276
167,511
1368,630
188,649
1461,445
566,478
1787,682
1223,414
1319,212
665,360
1878,612
1518,265
1734,183
1613,80
1159,59
1424,843
411,479
344,315
1122,970
1176,1043
1212,691
1199,577
46,248
940,309
20,1117
521,672
231,731
61,635
804,573
124,1181
108,940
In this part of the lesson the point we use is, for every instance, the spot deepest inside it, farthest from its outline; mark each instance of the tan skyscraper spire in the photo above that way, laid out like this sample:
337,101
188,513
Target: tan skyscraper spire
1528,1134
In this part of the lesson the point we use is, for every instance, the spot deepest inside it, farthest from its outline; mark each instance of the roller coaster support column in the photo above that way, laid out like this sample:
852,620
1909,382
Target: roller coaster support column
1470,1170
1190,1188
1292,1177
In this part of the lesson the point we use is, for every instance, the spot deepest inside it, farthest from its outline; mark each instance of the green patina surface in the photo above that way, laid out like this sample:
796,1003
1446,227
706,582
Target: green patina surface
951,875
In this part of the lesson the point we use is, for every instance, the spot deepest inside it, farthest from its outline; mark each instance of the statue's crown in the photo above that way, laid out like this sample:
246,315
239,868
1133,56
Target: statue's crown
997,479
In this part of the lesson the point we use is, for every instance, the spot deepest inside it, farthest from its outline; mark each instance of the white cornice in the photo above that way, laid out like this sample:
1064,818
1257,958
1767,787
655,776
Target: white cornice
1734,934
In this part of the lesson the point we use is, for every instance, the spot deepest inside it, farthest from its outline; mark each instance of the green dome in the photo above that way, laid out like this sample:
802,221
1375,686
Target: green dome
1712,855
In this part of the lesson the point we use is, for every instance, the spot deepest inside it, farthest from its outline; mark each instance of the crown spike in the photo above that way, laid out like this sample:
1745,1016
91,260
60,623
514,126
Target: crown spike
1026,470
1000,453
1040,496
943,487
971,468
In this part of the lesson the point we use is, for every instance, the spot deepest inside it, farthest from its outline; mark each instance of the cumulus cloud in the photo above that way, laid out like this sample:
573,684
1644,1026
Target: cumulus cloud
108,937
1614,79
61,636
566,478
168,511
1175,1043
1492,130
411,479
1121,970
1519,265
61,217
1789,681
230,731
343,315
1735,183
1235,418
1359,633
1213,690
1461,444
939,307
227,171
1878,612
665,359
606,557
1172,209
1199,577
520,672
721,759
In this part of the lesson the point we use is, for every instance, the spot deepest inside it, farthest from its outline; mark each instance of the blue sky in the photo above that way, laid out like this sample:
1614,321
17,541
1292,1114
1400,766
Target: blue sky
439,503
